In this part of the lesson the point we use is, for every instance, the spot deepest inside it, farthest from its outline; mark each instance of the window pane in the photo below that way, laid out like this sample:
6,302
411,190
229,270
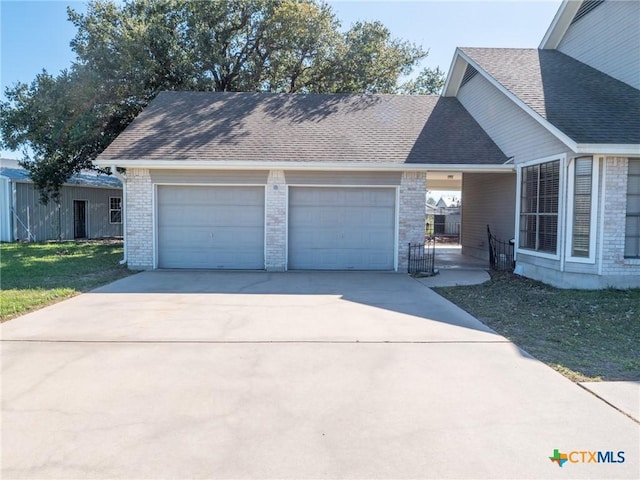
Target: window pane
548,233
632,227
582,207
116,216
633,204
528,231
539,206
634,166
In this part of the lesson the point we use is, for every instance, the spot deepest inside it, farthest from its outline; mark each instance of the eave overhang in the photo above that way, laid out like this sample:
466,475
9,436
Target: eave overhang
315,166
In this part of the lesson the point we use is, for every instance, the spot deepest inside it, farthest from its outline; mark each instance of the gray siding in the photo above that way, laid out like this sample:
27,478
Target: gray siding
487,199
53,221
608,39
342,178
514,131
217,177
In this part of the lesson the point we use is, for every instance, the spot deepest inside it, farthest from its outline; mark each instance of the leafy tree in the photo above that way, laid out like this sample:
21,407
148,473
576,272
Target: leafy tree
428,82
128,52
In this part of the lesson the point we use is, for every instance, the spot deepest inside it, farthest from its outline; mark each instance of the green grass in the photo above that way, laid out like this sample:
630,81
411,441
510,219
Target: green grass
585,335
33,275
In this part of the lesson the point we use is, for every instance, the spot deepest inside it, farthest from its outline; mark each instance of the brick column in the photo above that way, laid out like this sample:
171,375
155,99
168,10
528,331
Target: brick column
276,222
139,211
614,210
412,212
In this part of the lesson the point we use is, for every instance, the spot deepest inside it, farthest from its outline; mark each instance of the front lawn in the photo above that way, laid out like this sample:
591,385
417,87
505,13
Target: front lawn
33,275
585,335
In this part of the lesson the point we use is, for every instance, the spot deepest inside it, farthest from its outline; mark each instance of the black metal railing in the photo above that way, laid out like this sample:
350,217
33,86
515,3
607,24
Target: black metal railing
422,257
500,253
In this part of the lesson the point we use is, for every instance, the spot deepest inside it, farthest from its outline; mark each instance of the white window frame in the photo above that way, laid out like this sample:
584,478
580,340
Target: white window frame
595,175
115,210
561,206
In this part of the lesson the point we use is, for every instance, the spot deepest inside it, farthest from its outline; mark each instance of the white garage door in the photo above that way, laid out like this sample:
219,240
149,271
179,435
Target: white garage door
341,228
210,227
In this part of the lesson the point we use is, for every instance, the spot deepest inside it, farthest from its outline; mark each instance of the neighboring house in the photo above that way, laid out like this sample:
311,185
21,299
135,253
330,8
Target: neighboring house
568,116
448,204
277,182
547,142
90,206
447,216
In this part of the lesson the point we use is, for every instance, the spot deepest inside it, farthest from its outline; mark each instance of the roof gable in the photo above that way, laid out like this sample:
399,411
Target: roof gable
255,127
578,104
570,12
560,24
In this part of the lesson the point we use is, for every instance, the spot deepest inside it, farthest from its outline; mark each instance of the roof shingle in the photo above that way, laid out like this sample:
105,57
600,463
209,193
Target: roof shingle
584,103
304,128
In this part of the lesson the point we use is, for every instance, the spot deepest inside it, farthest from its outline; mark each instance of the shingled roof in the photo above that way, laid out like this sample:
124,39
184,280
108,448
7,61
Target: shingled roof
582,102
370,129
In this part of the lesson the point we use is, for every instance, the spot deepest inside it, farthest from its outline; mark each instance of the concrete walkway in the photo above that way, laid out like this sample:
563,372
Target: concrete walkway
456,269
298,375
625,396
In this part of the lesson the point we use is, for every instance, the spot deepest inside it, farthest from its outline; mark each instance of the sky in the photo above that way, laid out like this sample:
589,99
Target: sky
35,35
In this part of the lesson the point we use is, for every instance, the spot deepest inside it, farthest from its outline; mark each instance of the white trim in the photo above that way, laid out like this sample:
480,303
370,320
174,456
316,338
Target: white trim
562,212
396,233
454,79
8,207
537,161
154,222
604,209
556,132
533,253
331,185
560,24
115,209
264,228
595,172
123,181
617,149
562,158
14,205
310,166
173,184
286,230
516,236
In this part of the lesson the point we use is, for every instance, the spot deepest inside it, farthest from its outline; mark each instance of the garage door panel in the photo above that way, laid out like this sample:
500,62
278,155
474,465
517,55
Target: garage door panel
211,227
341,228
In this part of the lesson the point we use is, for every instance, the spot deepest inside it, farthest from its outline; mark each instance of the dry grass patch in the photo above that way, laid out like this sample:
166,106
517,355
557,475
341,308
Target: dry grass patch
585,335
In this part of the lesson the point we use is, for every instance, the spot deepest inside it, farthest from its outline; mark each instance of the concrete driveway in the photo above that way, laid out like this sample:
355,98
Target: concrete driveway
171,374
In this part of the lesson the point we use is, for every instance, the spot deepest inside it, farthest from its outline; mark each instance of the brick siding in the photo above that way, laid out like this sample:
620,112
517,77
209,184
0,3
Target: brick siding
615,208
276,222
139,211
413,188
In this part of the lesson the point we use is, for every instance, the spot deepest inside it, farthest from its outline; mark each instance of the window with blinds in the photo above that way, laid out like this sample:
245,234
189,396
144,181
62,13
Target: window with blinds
539,199
632,228
582,195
